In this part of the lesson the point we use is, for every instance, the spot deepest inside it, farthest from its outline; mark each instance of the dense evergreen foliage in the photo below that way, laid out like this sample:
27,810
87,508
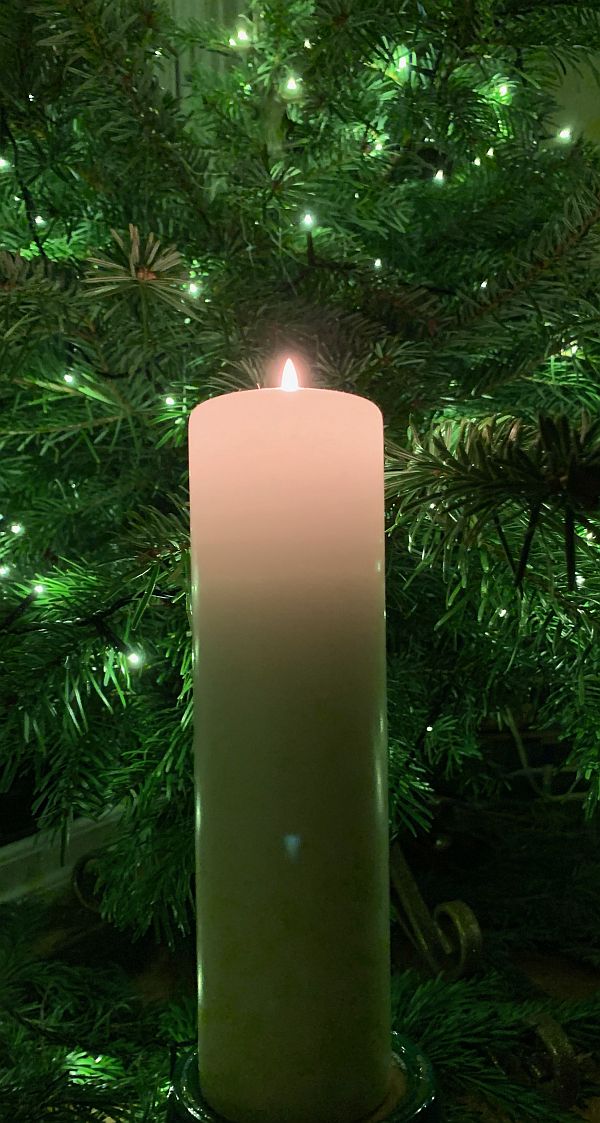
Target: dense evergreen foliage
385,189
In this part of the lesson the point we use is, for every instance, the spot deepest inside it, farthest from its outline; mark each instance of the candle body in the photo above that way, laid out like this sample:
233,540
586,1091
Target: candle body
287,524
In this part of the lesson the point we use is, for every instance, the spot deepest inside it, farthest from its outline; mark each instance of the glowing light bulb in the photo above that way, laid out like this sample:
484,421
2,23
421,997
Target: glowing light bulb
307,44
483,285
565,134
169,401
242,35
4,570
291,84
134,659
477,161
377,263
193,289
402,63
232,42
308,219
439,176
4,164
289,378
39,221
16,528
502,611
39,589
503,89
429,728
579,580
490,152
68,378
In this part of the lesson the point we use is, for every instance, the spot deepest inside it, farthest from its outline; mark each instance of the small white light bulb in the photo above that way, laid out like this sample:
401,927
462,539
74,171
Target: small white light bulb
502,611
490,152
4,570
377,263
439,176
232,42
39,589
565,134
477,161
134,659
483,285
16,528
39,221
402,63
291,84
4,164
307,44
193,288
68,378
169,401
503,90
579,580
242,35
430,728
308,219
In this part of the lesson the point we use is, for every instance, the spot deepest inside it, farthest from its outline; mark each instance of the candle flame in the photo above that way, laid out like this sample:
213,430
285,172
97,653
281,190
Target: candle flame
289,378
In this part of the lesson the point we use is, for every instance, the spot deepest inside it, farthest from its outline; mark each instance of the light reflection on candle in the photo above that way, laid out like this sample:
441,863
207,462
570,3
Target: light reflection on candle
292,844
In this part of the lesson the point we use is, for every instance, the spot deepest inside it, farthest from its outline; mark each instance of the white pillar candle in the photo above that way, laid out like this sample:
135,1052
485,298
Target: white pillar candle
287,533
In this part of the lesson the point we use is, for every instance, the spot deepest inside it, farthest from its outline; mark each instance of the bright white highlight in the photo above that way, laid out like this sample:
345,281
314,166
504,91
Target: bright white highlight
289,378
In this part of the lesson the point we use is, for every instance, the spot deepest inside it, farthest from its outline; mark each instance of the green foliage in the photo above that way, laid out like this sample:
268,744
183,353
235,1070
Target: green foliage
74,1059
153,254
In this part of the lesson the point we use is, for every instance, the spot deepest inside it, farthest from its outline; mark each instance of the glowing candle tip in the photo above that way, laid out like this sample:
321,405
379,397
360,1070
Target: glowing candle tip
289,378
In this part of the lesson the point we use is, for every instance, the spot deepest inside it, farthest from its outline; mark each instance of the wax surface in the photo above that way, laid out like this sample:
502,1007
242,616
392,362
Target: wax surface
287,522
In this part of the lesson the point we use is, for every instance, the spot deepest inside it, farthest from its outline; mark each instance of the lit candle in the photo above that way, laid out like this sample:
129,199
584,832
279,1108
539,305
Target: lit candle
287,531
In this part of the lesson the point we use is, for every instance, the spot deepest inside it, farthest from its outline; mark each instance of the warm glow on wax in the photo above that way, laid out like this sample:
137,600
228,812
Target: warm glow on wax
289,378
287,560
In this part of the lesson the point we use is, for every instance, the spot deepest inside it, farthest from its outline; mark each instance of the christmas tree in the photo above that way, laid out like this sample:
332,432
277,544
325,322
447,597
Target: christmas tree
396,193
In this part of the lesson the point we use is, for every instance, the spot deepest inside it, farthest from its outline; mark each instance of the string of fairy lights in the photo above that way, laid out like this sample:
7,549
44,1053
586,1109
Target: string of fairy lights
134,657
291,88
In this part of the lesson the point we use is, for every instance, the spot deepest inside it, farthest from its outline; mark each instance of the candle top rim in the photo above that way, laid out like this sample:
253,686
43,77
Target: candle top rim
287,396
